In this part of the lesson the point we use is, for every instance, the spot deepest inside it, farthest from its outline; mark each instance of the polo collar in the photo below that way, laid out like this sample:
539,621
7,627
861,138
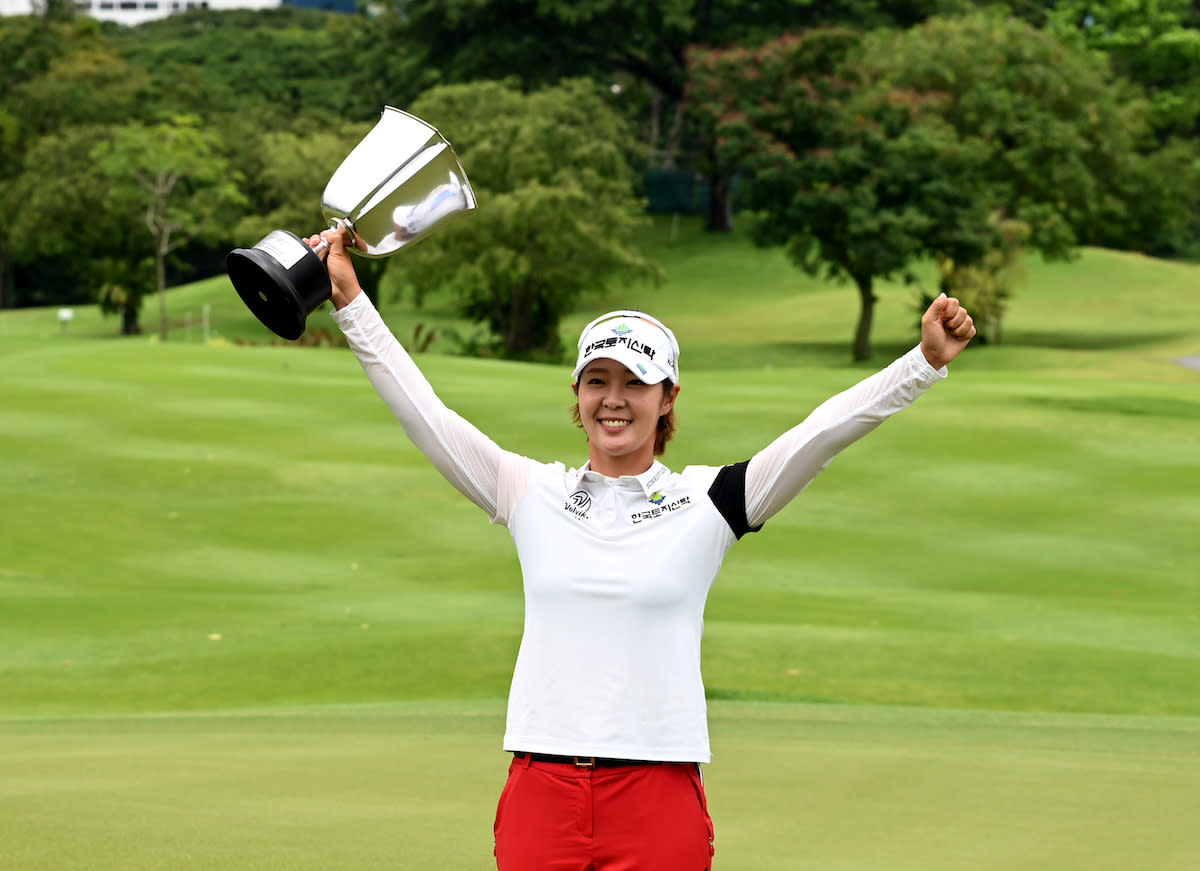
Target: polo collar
647,481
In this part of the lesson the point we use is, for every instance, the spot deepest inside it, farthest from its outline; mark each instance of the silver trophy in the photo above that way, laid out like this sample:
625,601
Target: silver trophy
399,183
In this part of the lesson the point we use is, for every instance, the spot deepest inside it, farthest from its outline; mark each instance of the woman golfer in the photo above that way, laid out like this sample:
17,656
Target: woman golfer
606,714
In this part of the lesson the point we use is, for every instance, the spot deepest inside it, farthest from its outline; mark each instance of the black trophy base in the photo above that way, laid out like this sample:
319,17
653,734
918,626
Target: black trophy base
281,281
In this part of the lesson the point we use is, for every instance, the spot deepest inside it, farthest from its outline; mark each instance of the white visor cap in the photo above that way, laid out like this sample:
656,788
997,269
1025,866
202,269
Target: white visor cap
637,341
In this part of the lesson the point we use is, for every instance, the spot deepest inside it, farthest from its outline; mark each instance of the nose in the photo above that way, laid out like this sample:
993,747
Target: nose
614,396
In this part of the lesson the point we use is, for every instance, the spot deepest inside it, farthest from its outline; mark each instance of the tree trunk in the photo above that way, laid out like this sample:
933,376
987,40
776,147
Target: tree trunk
654,127
6,278
674,135
720,205
518,342
160,281
866,315
129,319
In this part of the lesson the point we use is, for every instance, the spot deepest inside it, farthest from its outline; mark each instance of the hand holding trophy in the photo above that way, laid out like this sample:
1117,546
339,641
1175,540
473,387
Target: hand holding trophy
399,183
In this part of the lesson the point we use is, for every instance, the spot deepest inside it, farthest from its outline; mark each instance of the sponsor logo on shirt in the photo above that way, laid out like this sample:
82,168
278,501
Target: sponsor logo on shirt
578,504
657,497
662,508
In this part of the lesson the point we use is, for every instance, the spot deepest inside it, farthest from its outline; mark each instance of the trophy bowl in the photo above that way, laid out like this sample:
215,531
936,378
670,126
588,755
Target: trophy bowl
401,182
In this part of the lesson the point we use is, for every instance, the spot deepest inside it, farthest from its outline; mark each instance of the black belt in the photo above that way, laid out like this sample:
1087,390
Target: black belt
582,761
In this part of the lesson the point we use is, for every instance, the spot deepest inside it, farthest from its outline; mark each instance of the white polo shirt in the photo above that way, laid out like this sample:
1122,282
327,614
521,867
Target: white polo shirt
616,571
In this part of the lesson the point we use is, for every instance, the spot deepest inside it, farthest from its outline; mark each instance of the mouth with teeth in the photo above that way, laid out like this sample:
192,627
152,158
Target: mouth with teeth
614,422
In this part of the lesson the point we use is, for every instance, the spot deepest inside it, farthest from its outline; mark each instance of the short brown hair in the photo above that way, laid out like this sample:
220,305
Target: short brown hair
666,422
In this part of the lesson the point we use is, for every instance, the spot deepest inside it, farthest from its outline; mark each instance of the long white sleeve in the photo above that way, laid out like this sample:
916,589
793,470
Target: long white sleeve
466,457
781,471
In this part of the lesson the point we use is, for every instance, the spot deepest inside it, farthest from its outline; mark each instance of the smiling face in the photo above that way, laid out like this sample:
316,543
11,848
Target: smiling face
620,412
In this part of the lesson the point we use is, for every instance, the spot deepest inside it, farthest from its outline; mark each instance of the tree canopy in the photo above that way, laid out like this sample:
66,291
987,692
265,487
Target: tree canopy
557,212
866,155
173,176
887,135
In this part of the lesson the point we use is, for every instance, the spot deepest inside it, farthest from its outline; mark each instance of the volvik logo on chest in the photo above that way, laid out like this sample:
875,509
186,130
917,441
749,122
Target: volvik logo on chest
578,504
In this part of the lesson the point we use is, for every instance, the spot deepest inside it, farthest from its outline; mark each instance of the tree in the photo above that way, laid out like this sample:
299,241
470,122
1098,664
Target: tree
556,217
923,143
68,217
282,61
266,72
1064,133
286,172
855,181
289,172
1156,45
176,172
54,10
640,46
57,77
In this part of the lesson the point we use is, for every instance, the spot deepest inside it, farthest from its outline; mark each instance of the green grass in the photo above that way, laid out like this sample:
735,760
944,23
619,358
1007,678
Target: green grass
412,785
244,625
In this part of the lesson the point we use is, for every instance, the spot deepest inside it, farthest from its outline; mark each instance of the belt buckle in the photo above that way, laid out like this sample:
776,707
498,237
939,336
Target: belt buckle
585,761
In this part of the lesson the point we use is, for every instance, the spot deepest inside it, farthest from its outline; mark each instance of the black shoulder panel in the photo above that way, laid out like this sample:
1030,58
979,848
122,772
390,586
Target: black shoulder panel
728,494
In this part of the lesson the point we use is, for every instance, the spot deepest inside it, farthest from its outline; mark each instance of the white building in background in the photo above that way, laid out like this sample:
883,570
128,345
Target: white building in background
134,12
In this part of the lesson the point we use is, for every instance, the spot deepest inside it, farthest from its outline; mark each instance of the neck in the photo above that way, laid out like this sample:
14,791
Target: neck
630,465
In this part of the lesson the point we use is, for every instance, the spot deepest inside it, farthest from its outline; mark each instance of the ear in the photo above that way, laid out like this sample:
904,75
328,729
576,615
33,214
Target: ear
575,389
669,400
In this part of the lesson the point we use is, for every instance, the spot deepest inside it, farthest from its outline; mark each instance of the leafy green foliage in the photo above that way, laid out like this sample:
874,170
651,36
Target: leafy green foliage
557,215
282,62
1157,46
70,215
1063,134
921,143
638,48
56,77
175,175
856,179
281,87
542,41
1152,42
290,171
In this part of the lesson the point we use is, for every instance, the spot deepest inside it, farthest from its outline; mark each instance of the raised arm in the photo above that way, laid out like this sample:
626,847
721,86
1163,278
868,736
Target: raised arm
466,457
779,472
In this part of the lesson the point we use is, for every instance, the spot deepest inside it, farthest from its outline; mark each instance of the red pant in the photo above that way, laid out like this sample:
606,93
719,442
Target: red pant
555,817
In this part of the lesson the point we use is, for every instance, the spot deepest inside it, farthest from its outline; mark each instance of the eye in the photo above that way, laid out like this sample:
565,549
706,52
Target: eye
637,382
595,380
